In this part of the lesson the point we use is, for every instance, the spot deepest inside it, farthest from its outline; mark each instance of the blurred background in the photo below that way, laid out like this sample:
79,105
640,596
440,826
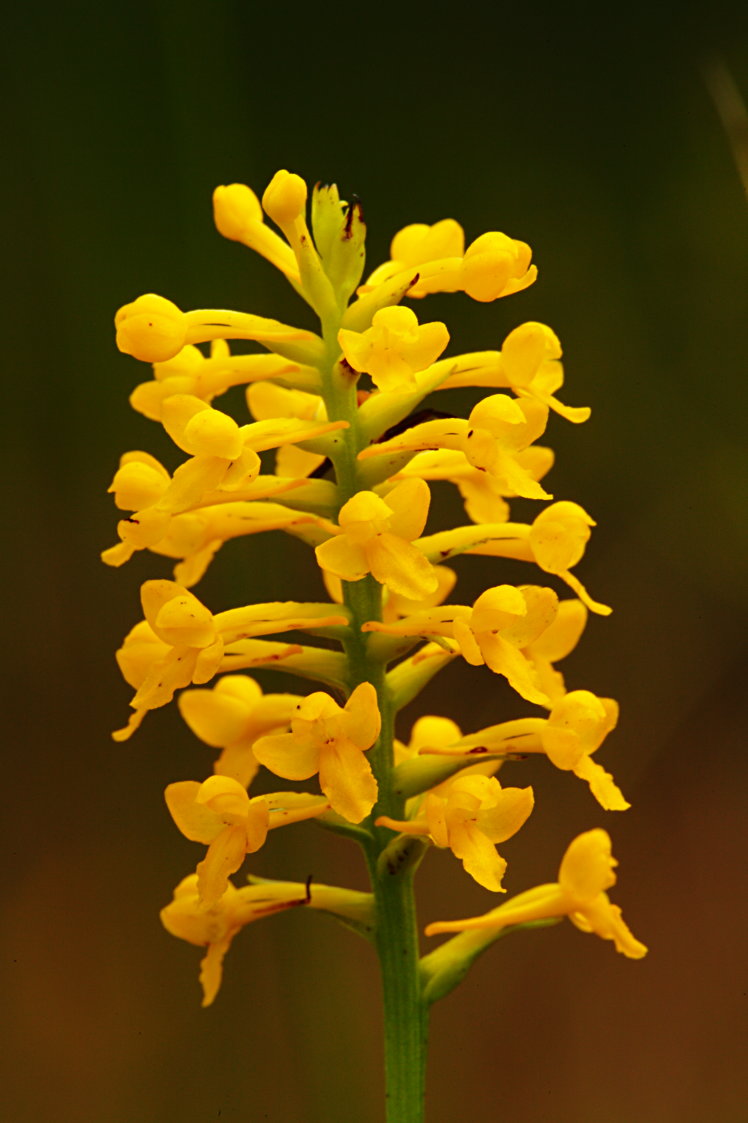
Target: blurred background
588,132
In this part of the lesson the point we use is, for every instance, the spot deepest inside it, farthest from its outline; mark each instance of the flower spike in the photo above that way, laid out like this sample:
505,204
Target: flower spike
338,436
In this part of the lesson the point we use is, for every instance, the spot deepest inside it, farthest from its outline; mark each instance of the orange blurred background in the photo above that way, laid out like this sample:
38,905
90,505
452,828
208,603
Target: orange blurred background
589,133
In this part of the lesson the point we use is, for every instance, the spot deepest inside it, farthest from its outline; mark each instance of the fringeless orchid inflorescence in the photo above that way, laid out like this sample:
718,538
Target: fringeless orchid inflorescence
355,456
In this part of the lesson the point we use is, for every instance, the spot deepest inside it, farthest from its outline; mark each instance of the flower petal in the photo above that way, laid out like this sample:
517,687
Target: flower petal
505,659
225,855
287,755
342,558
346,778
361,720
196,821
479,857
401,567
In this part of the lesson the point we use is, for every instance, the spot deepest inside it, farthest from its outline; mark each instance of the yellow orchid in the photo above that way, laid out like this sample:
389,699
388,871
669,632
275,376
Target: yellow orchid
586,872
194,536
469,815
555,541
498,430
376,537
224,465
483,494
153,329
501,428
417,244
394,347
231,716
175,645
220,814
331,741
214,927
284,201
577,725
503,622
182,642
238,216
529,357
528,364
225,454
494,265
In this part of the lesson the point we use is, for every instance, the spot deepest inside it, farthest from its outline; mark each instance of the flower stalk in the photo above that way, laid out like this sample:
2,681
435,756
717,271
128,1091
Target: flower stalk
354,466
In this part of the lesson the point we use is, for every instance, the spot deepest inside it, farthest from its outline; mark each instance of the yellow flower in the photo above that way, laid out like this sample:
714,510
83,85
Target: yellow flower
586,872
177,644
528,363
220,814
182,642
577,725
196,536
394,347
331,741
238,216
139,481
503,622
225,464
151,328
418,244
499,429
529,360
484,495
199,429
494,265
376,537
214,927
231,716
187,917
555,541
497,432
154,329
284,199
469,815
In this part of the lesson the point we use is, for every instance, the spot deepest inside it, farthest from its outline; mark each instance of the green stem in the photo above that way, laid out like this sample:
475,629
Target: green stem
405,1012
396,935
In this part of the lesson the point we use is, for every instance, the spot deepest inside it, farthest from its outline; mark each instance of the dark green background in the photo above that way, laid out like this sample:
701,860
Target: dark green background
585,130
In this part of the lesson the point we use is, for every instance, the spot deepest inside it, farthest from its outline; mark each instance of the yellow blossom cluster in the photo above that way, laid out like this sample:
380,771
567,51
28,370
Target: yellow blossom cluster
349,464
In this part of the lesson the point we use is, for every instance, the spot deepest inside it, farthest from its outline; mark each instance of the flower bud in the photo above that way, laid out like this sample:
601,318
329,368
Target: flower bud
285,198
139,481
234,208
490,262
151,329
199,429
